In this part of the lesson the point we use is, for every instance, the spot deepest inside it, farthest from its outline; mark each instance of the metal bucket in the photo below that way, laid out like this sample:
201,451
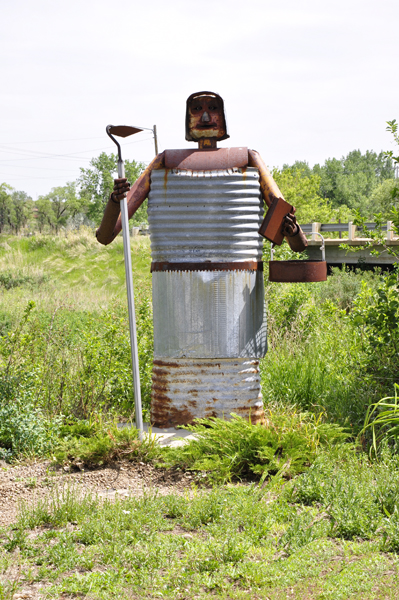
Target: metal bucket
298,271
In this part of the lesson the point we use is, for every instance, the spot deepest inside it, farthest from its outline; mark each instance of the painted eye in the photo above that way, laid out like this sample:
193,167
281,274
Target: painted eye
197,107
213,107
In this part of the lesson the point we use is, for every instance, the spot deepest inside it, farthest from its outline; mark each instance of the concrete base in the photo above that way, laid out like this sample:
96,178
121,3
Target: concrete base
166,437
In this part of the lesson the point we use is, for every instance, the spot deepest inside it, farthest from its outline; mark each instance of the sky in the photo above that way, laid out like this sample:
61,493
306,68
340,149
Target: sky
301,79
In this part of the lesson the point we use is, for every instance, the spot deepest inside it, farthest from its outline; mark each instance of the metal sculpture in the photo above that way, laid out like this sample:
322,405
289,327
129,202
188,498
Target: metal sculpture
205,209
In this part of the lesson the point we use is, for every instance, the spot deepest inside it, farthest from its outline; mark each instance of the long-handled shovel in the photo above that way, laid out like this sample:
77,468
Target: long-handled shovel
125,131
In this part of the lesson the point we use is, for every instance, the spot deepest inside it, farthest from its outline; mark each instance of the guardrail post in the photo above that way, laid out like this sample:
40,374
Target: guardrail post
315,230
389,231
351,231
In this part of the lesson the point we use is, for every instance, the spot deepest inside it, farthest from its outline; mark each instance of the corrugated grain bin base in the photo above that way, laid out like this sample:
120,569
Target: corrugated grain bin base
185,389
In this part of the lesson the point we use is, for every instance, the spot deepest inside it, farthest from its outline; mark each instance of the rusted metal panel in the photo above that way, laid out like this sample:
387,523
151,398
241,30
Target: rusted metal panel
273,223
209,314
249,265
297,271
200,216
206,160
183,390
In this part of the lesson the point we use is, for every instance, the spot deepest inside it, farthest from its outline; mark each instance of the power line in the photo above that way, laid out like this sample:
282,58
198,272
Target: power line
31,154
62,140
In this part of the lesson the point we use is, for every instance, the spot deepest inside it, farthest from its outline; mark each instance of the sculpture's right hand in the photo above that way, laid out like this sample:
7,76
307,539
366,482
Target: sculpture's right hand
121,188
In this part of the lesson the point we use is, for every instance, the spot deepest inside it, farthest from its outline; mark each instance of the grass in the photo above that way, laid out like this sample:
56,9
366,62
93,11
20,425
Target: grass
230,542
322,519
69,269
63,319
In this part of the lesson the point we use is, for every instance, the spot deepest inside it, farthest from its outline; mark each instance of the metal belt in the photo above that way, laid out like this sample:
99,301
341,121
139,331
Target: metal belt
249,265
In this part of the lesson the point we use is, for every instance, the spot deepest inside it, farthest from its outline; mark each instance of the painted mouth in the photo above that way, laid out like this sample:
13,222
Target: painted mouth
206,126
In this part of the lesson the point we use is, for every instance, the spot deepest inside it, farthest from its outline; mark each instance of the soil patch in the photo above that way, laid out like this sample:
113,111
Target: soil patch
29,482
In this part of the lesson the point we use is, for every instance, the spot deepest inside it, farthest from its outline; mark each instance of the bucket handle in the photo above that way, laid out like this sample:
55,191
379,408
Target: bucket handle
322,247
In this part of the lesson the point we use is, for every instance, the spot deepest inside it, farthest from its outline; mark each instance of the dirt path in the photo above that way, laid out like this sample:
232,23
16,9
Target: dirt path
28,483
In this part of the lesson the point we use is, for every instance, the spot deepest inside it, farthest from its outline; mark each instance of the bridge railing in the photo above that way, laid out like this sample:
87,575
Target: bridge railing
323,228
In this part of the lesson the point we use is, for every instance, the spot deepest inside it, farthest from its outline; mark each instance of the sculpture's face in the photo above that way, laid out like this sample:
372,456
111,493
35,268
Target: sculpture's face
206,118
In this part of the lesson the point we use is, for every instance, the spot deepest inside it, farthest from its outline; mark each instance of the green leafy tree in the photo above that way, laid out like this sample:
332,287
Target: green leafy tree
7,212
392,127
60,203
384,198
352,180
23,210
96,183
44,213
303,191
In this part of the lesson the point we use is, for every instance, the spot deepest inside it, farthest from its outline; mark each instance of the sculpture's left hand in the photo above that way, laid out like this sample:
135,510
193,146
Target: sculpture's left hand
290,226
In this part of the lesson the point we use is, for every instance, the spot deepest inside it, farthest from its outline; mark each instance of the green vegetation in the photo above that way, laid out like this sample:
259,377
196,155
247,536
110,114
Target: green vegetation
64,348
95,442
325,534
77,203
236,449
304,506
356,182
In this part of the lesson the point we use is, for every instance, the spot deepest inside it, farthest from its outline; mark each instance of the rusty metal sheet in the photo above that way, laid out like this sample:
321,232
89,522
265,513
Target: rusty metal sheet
183,390
206,160
250,265
297,271
199,216
272,226
209,314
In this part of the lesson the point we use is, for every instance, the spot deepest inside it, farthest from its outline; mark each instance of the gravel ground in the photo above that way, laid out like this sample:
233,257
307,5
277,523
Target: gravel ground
29,482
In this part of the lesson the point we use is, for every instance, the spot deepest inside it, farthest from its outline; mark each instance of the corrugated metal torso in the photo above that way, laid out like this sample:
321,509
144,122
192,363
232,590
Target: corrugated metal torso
205,215
209,325
202,217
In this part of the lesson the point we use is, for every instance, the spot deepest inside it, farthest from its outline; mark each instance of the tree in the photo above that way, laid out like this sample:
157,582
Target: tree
44,213
6,206
352,179
96,183
23,210
385,198
60,203
303,191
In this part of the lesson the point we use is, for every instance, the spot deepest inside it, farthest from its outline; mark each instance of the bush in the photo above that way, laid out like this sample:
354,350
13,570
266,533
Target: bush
287,444
24,429
79,363
96,443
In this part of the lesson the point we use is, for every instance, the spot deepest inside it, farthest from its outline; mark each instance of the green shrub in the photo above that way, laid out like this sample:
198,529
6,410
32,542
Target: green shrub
97,443
11,279
287,444
24,429
344,284
79,363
